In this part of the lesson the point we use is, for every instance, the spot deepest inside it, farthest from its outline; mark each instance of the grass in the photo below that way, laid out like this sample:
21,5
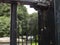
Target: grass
34,43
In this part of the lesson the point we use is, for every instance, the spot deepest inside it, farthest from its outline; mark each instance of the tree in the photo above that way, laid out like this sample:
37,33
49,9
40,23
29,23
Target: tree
26,23
4,9
33,24
4,26
5,18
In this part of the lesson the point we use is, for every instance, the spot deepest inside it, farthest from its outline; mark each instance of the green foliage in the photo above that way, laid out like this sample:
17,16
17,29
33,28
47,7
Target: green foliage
33,23
4,26
4,9
22,12
5,18
26,23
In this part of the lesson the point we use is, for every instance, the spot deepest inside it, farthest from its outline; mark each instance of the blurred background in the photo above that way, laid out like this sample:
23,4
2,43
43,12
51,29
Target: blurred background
27,20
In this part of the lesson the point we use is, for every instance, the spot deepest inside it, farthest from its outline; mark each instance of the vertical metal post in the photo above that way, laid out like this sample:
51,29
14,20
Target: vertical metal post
43,34
41,40
39,26
50,23
13,30
57,21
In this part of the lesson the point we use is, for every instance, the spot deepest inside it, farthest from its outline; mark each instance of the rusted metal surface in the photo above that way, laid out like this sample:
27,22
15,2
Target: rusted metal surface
29,2
19,1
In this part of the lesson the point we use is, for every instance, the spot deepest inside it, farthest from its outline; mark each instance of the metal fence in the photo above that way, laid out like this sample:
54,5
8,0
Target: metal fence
14,34
48,28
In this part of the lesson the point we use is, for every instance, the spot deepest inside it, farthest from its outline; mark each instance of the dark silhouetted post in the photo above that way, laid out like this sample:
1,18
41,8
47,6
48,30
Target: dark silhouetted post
13,30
